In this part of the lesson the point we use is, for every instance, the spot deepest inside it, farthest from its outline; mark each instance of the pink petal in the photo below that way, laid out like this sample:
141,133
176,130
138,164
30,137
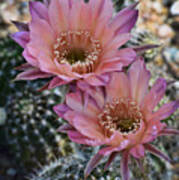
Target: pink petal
126,56
44,87
59,15
165,111
100,15
24,66
61,109
167,132
119,89
107,67
82,104
138,78
65,128
92,164
56,81
108,150
70,3
29,58
95,92
98,80
65,71
38,10
124,165
138,151
32,74
128,25
22,38
46,2
155,95
80,139
152,131
141,49
110,160
117,42
124,20
105,35
80,16
75,101
105,9
42,36
85,125
117,140
157,152
69,116
38,53
21,26
88,127
101,11
46,64
35,54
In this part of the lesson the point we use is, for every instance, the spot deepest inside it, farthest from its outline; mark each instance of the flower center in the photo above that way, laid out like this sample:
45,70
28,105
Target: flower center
78,49
121,115
76,55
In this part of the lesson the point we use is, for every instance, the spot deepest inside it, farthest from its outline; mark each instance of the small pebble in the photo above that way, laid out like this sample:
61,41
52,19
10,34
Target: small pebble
175,8
157,6
11,172
165,31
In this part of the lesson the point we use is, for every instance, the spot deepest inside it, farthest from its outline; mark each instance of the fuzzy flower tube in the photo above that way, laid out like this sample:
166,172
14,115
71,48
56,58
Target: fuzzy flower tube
68,40
119,116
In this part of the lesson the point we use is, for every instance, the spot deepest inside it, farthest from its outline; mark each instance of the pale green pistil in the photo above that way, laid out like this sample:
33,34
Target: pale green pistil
76,55
125,125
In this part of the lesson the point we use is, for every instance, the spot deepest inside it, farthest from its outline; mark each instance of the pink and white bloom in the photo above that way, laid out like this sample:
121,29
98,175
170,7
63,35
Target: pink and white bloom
120,116
69,40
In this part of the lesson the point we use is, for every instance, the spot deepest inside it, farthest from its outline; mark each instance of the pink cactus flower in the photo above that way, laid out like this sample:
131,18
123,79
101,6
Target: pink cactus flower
119,116
69,40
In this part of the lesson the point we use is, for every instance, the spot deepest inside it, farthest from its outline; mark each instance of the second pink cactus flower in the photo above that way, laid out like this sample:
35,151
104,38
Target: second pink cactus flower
120,116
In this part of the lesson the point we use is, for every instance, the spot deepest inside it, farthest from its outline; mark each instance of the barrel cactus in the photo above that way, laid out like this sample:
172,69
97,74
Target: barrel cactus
72,167
31,126
10,57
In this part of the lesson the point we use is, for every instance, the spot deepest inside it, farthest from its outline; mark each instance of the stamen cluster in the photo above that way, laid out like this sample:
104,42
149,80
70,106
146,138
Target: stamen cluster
78,49
121,115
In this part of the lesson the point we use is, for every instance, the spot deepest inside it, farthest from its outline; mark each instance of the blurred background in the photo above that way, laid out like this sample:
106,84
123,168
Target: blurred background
30,147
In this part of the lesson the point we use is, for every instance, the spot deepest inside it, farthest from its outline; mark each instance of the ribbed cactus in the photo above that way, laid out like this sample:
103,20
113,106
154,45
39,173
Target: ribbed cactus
31,126
10,57
72,167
